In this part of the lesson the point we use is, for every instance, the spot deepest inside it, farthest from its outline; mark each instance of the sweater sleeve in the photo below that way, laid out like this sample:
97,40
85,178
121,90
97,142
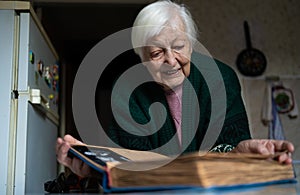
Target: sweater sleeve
236,127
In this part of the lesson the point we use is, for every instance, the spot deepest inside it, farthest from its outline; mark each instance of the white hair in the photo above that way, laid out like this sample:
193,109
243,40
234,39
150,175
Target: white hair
152,18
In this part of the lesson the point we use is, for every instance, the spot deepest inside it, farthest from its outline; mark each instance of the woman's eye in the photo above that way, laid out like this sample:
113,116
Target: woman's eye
156,54
178,48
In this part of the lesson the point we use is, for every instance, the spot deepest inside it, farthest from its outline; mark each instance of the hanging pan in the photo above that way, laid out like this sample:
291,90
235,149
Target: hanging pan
251,61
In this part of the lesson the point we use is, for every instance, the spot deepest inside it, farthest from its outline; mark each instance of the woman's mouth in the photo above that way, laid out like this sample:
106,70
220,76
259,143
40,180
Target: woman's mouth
172,72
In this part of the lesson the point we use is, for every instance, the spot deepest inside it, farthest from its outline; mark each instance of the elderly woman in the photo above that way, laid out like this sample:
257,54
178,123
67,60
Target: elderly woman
164,37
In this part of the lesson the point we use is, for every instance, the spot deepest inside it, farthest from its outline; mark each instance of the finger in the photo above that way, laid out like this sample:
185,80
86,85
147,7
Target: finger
289,146
59,141
71,140
281,145
285,158
289,160
62,154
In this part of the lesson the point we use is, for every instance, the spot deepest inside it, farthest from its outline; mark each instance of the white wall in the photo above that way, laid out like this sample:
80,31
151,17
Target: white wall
274,29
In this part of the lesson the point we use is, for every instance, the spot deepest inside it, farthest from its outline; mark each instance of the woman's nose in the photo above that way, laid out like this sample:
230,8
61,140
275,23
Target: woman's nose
170,58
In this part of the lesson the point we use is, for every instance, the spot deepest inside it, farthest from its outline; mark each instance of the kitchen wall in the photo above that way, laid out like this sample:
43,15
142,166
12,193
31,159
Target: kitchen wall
274,29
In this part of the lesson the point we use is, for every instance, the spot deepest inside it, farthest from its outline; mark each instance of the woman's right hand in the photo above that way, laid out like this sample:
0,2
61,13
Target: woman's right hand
76,165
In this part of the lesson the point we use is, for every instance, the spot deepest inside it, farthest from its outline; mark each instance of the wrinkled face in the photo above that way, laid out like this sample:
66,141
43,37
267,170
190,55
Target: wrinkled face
167,56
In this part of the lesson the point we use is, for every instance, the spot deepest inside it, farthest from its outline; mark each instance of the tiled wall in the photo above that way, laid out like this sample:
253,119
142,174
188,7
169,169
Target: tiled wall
274,29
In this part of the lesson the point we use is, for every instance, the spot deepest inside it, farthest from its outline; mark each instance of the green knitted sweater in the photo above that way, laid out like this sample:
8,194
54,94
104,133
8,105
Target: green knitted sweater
233,129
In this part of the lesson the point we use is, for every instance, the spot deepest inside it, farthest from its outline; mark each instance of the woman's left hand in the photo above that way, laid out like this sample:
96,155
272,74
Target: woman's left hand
267,147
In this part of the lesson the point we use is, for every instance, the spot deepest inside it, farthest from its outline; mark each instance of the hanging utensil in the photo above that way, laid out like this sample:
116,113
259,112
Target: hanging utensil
251,61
